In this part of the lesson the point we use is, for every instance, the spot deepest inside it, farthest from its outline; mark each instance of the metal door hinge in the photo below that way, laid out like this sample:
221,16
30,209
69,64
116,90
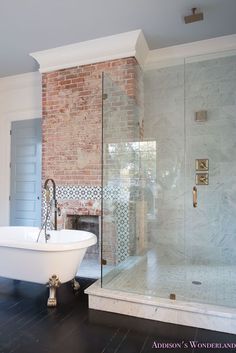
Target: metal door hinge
104,96
104,262
10,132
9,198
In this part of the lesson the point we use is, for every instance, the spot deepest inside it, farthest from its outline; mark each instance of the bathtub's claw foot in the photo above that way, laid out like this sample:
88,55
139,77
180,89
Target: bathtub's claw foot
75,284
53,284
52,302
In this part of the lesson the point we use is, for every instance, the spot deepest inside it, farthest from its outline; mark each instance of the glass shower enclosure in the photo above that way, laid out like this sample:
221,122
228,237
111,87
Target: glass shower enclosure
169,181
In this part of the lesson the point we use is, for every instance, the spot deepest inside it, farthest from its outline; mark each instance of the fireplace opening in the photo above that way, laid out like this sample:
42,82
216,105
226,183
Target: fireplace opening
89,224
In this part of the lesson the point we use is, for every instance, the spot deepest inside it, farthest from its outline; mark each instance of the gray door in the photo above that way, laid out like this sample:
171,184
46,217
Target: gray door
25,193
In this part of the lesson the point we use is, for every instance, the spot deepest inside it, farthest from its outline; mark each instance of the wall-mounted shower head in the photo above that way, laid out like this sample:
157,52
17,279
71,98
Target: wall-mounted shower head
194,17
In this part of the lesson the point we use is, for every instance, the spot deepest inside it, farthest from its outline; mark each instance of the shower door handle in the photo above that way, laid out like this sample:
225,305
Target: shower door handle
194,196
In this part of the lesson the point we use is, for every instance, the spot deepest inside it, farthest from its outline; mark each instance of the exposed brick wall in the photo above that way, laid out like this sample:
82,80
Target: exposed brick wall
72,114
77,207
72,131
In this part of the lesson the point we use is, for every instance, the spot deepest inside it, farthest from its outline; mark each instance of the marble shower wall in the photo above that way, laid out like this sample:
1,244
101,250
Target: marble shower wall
211,228
164,123
207,234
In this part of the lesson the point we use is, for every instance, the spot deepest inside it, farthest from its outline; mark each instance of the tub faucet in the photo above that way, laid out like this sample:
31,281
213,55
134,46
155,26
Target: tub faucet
54,198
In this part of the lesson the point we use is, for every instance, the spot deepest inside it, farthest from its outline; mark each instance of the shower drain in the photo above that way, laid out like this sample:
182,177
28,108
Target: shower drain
196,282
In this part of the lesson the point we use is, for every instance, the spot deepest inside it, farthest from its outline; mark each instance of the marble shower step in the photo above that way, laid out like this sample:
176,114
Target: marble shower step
211,317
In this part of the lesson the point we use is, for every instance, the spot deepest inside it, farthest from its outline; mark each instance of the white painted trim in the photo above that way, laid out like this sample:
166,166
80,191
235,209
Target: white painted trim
175,55
118,46
218,55
131,44
142,49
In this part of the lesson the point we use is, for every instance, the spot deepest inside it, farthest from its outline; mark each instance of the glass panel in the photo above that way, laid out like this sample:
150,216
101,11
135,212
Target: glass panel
121,165
211,135
156,142
164,126
143,179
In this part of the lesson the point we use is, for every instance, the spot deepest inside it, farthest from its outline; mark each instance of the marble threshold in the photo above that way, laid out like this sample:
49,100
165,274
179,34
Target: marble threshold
206,316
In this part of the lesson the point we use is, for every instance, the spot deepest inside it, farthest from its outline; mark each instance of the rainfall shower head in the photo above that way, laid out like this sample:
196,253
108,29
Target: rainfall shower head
194,17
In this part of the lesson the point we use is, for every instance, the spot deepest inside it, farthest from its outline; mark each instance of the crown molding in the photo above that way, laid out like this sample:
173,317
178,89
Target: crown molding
132,44
195,51
117,46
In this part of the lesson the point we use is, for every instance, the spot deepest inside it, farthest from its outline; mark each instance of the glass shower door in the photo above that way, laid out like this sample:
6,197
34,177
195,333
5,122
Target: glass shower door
144,184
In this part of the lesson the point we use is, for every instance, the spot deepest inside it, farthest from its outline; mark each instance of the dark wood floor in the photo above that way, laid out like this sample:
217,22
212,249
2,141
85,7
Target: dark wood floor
28,326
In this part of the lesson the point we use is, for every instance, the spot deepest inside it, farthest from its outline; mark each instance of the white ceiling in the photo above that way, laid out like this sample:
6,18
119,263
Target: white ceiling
32,25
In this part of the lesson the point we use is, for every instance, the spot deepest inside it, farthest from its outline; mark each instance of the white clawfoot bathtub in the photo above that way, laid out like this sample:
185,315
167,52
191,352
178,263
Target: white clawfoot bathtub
53,263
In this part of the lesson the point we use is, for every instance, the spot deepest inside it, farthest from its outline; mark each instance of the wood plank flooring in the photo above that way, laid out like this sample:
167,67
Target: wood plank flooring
28,326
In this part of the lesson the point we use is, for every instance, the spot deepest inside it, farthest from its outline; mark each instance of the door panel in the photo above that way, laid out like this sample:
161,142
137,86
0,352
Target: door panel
25,205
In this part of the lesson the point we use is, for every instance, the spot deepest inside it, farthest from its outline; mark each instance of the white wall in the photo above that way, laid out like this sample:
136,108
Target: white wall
20,99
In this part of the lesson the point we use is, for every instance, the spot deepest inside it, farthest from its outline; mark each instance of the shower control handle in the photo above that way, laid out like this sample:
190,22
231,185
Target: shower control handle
194,196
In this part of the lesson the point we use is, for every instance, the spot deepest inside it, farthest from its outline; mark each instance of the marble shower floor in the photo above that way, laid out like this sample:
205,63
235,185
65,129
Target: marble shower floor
154,278
91,268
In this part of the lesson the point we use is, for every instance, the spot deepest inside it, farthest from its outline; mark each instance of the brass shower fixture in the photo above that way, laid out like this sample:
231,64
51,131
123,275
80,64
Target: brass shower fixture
194,17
